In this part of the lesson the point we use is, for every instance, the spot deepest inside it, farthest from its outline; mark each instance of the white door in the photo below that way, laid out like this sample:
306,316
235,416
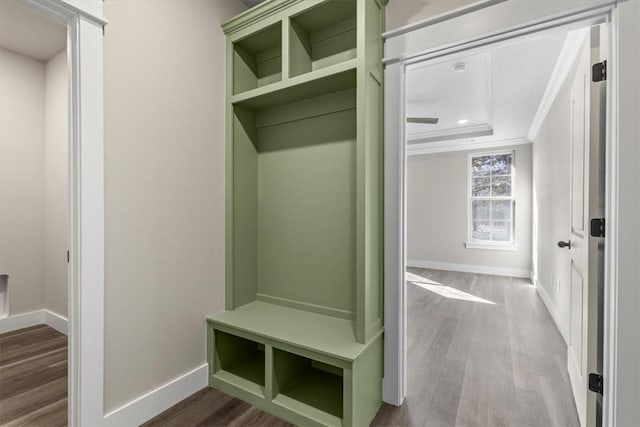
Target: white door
586,195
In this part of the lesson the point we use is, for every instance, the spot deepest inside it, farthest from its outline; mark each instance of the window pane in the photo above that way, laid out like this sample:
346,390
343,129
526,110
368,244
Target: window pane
501,231
501,186
481,166
501,209
481,230
480,209
502,164
480,187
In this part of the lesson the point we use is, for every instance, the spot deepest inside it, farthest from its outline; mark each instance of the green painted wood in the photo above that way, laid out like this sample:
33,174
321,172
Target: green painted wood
318,389
366,387
321,82
257,59
320,334
304,212
245,207
241,357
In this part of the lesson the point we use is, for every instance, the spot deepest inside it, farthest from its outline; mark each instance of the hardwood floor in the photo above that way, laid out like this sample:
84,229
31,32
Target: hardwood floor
482,351
33,377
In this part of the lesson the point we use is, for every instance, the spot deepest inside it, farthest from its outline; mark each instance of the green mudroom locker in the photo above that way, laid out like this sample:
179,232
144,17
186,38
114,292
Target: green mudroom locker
302,334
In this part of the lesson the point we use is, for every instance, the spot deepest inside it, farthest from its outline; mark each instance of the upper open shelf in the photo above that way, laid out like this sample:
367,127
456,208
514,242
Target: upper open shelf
257,59
322,36
330,79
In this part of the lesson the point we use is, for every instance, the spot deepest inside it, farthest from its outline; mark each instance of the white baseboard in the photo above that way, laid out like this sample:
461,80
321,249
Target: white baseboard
33,318
156,401
57,322
469,268
544,296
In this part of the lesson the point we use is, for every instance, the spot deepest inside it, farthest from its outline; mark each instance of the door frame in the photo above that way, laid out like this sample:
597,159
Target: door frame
85,295
480,24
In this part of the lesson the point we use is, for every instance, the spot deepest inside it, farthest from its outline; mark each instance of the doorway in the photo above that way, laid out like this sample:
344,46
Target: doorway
83,29
34,217
570,23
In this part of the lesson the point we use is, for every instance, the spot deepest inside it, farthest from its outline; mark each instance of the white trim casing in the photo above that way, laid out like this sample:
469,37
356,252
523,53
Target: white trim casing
149,405
490,246
394,387
470,268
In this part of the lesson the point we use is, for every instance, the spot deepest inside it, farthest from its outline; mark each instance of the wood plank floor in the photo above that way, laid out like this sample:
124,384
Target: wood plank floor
482,351
33,377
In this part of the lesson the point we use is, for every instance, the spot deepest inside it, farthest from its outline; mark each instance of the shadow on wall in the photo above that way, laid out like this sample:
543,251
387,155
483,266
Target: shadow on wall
404,12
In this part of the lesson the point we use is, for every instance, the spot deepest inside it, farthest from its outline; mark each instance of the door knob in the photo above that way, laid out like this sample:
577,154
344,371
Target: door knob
566,244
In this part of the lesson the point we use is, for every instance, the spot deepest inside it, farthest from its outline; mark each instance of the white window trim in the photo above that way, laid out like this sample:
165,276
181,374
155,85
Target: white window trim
482,244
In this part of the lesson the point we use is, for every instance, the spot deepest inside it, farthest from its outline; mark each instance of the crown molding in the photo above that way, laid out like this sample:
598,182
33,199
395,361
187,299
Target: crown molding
568,54
464,145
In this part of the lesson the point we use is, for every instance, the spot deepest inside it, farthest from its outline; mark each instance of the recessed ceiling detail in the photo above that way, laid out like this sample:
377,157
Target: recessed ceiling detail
457,92
486,97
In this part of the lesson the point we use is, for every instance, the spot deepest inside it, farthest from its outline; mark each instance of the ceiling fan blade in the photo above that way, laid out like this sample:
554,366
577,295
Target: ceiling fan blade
423,120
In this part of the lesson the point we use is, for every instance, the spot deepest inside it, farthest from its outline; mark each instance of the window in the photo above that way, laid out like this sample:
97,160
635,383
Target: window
491,199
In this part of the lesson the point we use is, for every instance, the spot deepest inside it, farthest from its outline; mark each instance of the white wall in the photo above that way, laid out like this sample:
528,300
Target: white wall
437,200
33,186
551,157
56,184
164,188
22,87
405,12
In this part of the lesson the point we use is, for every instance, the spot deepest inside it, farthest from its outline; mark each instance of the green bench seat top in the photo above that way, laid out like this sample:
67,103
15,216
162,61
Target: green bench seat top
327,335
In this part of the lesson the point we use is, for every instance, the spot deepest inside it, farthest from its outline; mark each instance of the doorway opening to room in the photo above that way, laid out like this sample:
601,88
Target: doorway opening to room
34,218
505,186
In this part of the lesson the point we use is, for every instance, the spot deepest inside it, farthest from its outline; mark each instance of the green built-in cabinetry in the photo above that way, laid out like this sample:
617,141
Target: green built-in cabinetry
301,336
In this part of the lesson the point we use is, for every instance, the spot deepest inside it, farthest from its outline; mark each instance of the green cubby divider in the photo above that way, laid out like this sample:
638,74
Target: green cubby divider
257,59
241,357
308,381
322,36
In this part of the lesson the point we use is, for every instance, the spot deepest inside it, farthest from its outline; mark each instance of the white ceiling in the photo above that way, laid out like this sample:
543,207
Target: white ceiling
516,76
25,32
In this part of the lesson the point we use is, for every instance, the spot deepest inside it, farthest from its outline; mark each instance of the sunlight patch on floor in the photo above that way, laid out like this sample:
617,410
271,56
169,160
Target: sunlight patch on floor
443,290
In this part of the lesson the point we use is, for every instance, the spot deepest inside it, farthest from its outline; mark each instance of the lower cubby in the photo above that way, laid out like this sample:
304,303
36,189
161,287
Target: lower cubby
240,357
303,367
309,382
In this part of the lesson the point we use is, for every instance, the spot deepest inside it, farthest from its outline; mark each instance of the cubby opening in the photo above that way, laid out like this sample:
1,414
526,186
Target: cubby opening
257,59
323,36
294,205
241,357
308,381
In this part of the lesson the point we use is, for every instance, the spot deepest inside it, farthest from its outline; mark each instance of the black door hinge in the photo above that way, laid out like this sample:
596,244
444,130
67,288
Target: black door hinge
597,227
595,383
68,257
599,72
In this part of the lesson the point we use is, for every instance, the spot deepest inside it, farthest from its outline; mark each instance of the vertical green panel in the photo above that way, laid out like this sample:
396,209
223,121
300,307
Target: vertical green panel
245,207
300,50
374,175
367,384
245,75
307,210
